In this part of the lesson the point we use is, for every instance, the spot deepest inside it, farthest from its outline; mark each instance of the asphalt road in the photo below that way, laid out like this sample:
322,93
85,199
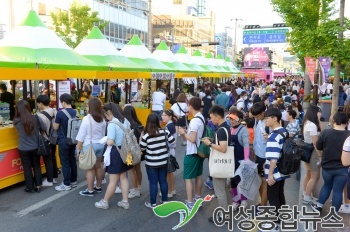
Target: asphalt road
50,210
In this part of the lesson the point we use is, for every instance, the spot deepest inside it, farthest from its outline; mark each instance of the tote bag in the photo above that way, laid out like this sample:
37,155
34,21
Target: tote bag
88,159
222,165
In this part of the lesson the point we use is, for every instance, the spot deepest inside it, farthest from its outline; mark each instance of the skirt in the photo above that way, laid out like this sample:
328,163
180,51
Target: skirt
181,121
117,165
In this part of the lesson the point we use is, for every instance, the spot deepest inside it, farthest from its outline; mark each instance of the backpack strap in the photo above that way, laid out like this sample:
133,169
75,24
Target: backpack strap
279,132
67,114
120,125
203,125
39,126
48,117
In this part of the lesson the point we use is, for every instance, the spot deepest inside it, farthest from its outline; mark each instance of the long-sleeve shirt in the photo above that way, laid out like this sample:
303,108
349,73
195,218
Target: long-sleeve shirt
156,148
28,142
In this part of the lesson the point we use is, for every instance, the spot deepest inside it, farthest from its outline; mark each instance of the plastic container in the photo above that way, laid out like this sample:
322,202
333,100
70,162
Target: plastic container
5,111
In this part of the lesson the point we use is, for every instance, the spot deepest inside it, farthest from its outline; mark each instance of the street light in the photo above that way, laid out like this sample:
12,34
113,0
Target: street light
235,41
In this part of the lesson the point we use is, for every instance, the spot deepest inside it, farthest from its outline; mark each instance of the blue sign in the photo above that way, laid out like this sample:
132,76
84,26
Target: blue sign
264,38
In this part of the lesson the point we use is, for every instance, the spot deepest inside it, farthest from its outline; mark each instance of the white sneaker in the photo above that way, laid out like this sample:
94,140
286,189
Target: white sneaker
344,209
102,204
173,192
244,204
103,181
54,180
124,205
235,206
133,193
46,183
118,190
63,187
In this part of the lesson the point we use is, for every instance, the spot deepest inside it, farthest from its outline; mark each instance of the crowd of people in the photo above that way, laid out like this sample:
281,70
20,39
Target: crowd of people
257,116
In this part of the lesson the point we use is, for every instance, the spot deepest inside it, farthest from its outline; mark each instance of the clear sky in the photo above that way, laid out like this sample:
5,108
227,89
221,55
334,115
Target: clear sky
253,12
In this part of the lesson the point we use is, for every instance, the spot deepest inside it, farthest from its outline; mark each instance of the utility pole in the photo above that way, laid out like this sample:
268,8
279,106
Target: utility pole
235,40
150,36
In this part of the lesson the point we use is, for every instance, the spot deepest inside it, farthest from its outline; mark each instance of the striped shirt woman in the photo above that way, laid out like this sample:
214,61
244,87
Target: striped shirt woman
155,144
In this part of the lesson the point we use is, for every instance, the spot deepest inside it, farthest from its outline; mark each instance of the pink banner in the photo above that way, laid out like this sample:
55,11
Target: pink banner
310,68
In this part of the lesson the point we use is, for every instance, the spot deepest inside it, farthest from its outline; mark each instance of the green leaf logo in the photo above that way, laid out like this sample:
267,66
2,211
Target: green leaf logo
168,208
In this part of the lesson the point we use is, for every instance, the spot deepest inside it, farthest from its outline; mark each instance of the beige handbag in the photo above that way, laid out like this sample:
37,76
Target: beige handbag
88,159
222,165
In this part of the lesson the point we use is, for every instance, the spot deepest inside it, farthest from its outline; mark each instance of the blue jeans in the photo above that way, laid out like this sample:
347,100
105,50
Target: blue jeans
97,147
156,175
68,162
334,179
158,113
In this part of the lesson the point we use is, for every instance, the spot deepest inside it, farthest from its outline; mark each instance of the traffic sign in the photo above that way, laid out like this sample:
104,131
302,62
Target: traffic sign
264,36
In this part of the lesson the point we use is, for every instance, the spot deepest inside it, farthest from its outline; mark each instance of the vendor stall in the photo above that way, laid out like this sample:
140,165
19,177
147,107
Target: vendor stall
35,53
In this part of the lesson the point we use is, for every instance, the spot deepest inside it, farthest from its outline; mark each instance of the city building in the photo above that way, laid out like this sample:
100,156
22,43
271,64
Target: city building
225,47
183,22
125,17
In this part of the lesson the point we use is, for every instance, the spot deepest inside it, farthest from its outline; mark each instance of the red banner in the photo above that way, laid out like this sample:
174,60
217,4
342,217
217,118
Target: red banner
310,68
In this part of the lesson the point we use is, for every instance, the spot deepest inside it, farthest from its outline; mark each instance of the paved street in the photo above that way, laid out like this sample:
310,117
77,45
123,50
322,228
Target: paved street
68,211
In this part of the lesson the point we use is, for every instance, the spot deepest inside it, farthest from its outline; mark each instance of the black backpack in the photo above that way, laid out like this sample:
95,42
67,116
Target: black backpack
289,162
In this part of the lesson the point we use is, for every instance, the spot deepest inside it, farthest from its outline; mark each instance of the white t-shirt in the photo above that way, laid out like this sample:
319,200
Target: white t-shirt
310,129
195,125
158,101
240,104
284,115
177,110
98,130
346,146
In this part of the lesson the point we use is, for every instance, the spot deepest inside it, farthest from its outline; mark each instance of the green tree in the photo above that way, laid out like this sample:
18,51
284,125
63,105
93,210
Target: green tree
316,33
74,25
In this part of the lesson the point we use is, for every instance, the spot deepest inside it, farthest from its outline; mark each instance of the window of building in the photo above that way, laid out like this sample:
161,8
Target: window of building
41,8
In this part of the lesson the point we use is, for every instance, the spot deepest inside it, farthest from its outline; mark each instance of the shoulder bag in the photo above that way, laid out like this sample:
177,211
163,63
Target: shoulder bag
222,165
88,159
172,162
44,148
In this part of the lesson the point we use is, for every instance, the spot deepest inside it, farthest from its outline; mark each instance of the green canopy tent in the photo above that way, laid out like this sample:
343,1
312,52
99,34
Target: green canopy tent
183,56
33,42
199,59
212,61
163,54
137,52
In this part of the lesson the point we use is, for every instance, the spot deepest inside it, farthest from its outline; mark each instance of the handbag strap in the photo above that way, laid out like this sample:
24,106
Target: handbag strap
216,136
90,129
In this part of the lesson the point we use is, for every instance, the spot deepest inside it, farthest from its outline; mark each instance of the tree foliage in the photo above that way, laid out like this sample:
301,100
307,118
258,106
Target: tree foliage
73,25
314,32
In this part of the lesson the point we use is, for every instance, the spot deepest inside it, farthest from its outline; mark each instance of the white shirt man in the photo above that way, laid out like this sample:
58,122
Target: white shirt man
158,100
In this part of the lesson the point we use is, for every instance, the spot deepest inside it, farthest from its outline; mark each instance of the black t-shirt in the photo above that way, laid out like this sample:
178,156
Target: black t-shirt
222,136
331,142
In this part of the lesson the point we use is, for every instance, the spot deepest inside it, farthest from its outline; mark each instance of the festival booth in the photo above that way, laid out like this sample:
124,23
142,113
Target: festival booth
142,89
120,68
183,73
224,74
33,52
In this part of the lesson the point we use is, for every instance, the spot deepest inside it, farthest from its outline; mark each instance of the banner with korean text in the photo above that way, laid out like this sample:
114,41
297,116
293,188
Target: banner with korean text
310,68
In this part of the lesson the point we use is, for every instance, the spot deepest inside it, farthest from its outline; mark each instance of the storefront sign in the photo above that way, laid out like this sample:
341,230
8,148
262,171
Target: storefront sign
311,68
163,76
96,89
134,90
63,87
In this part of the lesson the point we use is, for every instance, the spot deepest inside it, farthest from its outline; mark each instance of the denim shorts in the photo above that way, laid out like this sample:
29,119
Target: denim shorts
98,149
